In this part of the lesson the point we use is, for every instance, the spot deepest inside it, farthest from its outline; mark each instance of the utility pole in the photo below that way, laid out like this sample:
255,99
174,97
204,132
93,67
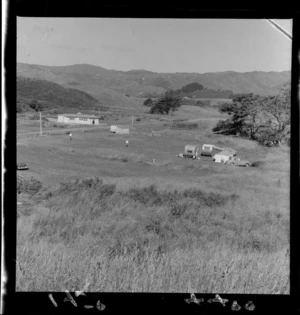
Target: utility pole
41,131
132,121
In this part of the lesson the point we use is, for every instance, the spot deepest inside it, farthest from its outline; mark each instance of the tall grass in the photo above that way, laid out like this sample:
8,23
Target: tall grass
144,239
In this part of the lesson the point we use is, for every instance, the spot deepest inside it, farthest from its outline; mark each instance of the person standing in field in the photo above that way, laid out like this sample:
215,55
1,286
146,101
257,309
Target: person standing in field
70,136
126,143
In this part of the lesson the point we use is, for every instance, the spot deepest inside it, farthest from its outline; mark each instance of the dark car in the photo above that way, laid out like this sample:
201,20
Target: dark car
22,167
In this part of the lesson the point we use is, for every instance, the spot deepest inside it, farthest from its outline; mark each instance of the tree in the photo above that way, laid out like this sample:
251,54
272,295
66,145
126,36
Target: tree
148,102
266,119
165,104
192,87
278,111
245,115
34,104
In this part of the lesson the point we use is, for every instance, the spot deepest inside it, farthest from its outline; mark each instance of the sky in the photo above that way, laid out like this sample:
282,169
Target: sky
158,45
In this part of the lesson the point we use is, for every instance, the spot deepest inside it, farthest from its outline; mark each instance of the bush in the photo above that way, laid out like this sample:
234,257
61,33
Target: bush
30,187
257,163
148,102
182,125
203,103
96,184
165,105
34,117
152,197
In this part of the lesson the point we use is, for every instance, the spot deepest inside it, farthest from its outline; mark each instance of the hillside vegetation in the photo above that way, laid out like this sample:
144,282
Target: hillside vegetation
118,88
52,94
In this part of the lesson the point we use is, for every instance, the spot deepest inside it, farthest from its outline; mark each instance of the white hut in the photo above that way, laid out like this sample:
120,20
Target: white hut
222,156
78,119
113,128
120,131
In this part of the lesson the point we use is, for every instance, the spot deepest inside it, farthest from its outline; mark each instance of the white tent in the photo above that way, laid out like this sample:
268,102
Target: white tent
122,131
113,128
222,157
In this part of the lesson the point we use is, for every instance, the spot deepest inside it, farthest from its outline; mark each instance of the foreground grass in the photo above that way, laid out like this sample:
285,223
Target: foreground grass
150,240
212,269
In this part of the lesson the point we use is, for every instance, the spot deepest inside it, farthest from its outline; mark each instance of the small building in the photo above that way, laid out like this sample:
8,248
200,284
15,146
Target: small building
223,156
78,119
113,128
120,131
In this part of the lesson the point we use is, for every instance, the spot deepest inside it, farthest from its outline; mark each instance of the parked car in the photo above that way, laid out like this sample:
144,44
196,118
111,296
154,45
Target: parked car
22,166
238,162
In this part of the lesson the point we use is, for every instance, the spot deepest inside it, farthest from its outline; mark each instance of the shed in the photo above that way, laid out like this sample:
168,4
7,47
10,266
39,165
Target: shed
113,128
120,131
78,119
223,156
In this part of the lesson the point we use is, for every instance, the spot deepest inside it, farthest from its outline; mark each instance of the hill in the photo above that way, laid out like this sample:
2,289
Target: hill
112,87
52,94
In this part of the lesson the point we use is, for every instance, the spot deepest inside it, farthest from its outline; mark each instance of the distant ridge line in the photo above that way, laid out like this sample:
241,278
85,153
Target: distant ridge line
149,71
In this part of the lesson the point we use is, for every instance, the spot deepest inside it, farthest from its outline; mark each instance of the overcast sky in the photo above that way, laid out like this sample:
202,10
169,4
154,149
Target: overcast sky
160,45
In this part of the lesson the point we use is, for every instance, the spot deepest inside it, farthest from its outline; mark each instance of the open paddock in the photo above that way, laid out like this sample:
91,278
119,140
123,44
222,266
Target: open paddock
152,222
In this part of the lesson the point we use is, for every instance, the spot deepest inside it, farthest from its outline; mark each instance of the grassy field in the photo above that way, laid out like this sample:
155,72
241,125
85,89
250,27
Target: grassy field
140,219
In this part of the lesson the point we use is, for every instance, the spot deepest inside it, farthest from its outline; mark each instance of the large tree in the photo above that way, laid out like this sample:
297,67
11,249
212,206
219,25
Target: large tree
166,104
278,111
245,117
266,119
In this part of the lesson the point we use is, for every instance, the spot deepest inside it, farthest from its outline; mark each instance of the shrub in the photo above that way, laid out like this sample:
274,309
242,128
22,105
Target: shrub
177,210
30,187
257,163
91,184
182,125
151,196
34,117
203,103
148,102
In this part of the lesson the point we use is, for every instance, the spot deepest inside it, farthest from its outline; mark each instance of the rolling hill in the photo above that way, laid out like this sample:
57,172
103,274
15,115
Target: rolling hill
120,88
52,94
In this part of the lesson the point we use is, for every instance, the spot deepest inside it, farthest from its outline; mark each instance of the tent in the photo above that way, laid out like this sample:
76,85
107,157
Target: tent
113,128
222,157
122,131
